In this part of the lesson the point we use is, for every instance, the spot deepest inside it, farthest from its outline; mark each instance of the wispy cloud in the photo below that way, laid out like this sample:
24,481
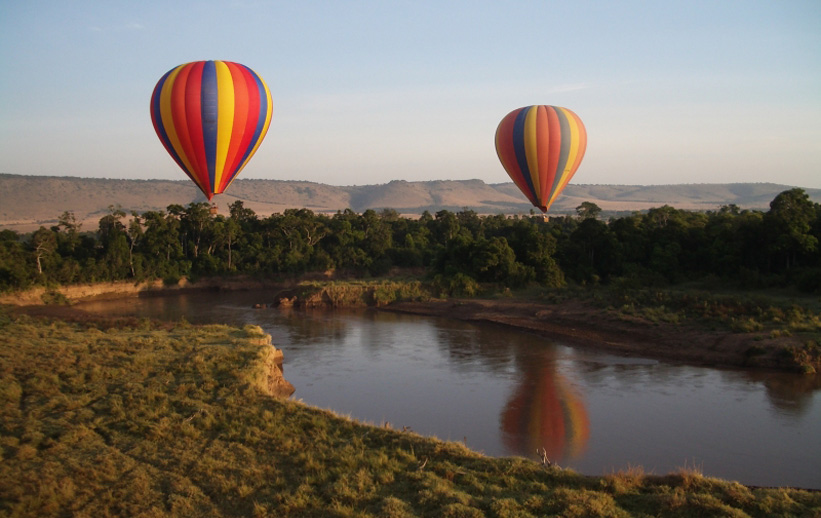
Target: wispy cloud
123,27
571,87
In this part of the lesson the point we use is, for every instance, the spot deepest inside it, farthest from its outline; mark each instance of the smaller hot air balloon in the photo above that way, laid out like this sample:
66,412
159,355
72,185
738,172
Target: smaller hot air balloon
211,116
541,148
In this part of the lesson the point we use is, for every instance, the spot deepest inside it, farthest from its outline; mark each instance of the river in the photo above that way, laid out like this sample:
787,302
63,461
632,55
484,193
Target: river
504,392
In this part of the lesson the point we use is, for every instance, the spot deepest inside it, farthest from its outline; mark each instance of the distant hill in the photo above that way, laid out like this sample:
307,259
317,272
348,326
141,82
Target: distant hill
26,202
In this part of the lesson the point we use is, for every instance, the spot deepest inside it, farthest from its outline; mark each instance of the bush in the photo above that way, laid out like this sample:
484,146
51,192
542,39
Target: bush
55,298
457,285
384,294
745,325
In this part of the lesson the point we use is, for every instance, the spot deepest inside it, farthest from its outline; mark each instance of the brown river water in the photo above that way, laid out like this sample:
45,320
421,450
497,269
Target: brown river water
505,392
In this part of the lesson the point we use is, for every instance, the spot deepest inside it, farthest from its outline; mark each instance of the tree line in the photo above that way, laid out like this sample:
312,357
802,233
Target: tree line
459,250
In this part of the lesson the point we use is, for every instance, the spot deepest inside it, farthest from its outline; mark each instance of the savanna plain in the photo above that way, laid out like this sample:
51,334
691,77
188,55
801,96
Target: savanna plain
117,416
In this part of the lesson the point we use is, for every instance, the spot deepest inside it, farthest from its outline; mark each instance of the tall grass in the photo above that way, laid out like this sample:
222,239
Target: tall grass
143,421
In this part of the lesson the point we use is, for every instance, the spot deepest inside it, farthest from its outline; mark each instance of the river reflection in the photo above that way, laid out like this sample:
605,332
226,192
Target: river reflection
505,392
546,414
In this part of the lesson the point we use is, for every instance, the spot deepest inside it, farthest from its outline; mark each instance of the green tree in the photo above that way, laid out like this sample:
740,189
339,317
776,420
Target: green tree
376,241
588,210
411,243
790,221
43,245
111,225
492,260
134,233
68,236
534,245
115,258
470,221
14,261
161,246
195,227
343,242
444,227
70,249
591,252
240,214
231,232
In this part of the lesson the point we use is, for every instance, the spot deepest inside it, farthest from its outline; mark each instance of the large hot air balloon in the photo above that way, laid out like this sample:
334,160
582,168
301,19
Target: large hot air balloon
541,147
211,117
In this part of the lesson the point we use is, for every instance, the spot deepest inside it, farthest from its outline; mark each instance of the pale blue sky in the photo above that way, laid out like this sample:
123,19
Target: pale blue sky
366,92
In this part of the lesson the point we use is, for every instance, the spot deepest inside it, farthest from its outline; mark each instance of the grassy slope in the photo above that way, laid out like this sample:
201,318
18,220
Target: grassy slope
150,422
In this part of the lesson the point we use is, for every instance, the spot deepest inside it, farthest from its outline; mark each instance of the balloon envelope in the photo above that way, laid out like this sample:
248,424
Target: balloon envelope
211,116
541,148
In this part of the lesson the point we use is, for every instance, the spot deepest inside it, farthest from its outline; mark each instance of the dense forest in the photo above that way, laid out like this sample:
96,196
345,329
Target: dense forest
459,251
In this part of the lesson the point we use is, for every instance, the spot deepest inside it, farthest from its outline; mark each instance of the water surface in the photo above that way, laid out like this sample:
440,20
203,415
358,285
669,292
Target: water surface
505,392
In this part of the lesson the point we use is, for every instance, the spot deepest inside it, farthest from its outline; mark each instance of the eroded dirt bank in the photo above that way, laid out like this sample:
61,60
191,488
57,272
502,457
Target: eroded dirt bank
273,381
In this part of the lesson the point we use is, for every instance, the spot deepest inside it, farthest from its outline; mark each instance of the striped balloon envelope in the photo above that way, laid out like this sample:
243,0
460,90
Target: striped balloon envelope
211,116
541,148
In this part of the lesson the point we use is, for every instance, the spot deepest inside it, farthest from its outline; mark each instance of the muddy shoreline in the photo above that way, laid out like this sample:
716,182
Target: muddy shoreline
583,324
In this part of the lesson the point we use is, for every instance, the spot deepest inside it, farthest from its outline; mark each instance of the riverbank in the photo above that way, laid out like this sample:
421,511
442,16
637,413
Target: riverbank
178,420
586,324
656,332
41,295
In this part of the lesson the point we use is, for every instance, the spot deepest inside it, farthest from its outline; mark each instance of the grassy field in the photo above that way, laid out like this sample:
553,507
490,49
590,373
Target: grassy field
178,421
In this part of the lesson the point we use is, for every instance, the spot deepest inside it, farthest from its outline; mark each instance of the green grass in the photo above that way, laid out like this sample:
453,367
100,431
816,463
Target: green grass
144,421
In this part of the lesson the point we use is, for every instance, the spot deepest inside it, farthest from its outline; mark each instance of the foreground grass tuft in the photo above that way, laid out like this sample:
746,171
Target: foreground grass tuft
144,421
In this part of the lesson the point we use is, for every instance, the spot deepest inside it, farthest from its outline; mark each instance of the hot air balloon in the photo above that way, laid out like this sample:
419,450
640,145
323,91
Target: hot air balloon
211,116
541,148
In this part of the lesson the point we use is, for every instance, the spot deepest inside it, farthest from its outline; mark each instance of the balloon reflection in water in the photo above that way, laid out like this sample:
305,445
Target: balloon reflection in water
545,412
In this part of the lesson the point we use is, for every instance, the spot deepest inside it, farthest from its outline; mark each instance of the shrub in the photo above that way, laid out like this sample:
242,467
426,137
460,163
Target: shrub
457,285
55,298
745,325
